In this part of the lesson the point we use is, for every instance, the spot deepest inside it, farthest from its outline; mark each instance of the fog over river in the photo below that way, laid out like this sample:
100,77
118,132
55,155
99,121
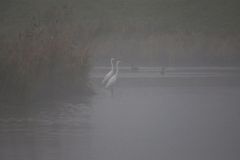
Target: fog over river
144,119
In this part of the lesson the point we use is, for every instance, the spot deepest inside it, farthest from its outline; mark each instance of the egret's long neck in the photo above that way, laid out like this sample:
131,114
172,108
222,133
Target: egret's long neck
117,69
112,65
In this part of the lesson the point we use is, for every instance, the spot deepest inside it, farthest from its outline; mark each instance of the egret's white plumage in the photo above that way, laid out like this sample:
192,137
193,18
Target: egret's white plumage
113,79
110,73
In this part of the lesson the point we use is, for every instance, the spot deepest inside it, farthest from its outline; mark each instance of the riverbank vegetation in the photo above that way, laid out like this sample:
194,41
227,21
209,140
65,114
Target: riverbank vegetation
45,46
175,48
44,57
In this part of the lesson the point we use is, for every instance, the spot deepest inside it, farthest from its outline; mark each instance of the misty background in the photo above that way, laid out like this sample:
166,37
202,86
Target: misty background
176,95
142,32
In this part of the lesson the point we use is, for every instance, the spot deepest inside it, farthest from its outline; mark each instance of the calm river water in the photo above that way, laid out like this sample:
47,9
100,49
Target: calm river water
145,122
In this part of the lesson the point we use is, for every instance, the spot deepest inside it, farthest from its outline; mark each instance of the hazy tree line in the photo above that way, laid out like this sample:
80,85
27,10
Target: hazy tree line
168,32
169,49
46,45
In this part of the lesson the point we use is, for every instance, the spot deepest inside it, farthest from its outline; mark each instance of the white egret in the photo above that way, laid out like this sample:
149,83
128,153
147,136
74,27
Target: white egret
113,79
110,73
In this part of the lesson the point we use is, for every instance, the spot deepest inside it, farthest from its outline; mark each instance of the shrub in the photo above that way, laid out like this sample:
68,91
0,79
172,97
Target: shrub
45,60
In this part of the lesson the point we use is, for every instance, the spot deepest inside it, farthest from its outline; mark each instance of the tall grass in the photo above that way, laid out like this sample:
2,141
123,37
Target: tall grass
170,48
45,60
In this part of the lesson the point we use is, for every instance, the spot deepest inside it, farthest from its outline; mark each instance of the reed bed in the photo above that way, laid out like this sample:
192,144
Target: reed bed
45,61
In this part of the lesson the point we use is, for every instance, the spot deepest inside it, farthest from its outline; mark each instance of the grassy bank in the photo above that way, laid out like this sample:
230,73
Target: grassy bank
45,59
41,65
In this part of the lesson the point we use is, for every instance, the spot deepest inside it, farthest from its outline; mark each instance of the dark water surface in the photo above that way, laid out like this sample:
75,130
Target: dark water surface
138,123
56,131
